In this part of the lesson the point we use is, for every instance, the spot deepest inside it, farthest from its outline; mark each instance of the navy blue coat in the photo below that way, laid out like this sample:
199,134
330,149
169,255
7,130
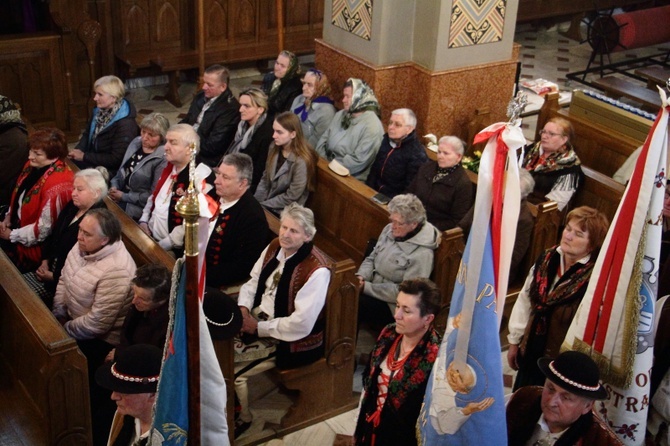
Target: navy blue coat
394,168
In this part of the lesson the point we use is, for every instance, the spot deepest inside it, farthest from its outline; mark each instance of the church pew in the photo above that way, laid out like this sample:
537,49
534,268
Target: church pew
598,145
617,88
44,377
600,192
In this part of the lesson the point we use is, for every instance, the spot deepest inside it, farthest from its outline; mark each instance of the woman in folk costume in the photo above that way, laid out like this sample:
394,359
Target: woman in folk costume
551,295
395,380
283,84
42,190
314,106
554,164
355,134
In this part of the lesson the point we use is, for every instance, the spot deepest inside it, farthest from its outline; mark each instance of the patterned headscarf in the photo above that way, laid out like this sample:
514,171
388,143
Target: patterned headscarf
362,99
322,94
9,114
292,71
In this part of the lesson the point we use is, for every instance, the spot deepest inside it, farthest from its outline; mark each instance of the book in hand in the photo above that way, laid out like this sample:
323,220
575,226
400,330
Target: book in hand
381,199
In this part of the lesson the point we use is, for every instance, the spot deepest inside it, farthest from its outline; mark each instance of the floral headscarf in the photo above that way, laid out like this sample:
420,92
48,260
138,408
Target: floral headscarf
362,99
10,116
322,94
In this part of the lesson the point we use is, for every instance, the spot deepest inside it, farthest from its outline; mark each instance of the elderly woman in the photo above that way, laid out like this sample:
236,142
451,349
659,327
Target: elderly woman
42,190
290,172
89,190
111,128
282,85
92,299
254,132
148,316
404,250
551,295
141,166
13,148
443,186
355,133
314,106
399,157
554,164
395,380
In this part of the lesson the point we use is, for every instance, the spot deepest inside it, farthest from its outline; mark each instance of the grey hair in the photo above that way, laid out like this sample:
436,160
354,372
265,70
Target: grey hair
526,183
408,116
409,207
156,123
110,226
242,163
303,216
95,180
455,142
187,135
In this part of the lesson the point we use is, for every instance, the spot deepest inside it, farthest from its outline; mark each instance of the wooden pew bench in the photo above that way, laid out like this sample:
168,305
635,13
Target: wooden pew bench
44,391
347,216
600,141
655,75
600,192
616,87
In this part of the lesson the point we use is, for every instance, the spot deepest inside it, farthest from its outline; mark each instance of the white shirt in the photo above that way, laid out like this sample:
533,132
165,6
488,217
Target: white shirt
309,302
521,310
542,436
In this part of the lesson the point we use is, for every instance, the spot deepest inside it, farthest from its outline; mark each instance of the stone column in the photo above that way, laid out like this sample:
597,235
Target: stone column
444,59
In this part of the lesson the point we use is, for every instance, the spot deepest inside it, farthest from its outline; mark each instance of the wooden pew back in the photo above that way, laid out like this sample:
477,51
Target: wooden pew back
45,379
600,192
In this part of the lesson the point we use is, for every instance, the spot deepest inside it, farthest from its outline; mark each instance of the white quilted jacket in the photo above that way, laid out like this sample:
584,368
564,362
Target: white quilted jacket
94,292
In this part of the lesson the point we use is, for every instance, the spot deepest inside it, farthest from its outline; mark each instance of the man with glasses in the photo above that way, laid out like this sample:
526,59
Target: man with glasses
240,232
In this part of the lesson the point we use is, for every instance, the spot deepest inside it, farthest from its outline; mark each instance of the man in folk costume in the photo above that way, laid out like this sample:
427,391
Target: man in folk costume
283,302
133,379
560,413
240,231
160,218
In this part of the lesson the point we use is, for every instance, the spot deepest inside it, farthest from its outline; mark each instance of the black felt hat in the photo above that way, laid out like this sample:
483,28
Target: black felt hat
136,370
574,372
222,314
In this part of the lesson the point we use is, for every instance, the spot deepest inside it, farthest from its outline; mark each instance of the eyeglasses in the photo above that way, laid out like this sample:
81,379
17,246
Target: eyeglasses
550,134
397,222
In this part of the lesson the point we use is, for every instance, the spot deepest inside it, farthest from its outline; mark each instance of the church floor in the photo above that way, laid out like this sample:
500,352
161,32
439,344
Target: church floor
545,54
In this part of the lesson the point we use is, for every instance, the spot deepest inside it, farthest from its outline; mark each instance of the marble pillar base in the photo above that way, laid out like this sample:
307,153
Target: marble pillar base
444,101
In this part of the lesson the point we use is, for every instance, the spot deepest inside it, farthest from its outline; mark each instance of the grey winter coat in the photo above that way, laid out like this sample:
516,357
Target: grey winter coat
142,180
281,188
391,262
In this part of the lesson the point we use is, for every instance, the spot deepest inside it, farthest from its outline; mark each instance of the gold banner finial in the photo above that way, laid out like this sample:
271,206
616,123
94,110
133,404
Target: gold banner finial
188,207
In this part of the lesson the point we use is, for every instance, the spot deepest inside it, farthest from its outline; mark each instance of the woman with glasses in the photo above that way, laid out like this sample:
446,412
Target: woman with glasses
41,192
403,251
314,106
554,164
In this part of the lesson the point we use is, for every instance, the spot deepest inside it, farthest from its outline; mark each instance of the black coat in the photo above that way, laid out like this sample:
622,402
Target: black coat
14,154
111,143
218,125
394,168
283,99
244,236
446,201
258,148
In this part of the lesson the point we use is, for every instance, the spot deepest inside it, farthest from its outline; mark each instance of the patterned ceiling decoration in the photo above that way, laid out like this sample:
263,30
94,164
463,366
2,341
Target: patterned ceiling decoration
354,16
474,22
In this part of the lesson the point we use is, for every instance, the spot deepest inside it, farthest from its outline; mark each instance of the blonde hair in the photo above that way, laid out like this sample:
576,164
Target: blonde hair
111,85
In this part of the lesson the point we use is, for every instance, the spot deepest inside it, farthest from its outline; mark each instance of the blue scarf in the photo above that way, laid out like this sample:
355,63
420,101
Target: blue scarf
302,111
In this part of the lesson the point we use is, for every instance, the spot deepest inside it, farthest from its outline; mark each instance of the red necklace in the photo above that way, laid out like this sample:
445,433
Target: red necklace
392,361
